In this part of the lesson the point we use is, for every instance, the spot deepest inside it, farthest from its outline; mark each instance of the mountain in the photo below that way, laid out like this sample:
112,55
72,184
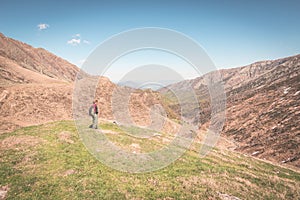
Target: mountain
37,87
262,111
49,161
16,55
143,84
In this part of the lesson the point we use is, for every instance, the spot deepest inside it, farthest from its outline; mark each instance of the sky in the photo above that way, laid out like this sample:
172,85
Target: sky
233,33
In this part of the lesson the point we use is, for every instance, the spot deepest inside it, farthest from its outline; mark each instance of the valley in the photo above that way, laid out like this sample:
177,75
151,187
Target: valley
42,154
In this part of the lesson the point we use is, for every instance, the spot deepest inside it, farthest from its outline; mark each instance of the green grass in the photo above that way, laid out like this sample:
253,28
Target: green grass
40,171
127,135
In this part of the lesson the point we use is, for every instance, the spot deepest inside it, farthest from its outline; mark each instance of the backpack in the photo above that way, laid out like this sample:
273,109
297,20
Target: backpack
91,110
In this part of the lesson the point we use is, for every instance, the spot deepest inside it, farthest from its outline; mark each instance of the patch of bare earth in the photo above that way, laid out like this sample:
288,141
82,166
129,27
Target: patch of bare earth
228,197
189,182
20,142
135,148
3,191
68,172
109,132
65,136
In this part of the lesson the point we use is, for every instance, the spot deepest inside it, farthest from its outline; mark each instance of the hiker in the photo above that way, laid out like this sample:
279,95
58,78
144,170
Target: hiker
93,112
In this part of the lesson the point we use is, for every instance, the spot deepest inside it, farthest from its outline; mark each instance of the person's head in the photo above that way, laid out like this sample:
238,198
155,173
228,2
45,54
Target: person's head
96,101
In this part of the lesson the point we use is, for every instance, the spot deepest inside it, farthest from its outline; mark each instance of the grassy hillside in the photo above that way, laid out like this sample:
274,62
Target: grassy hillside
50,162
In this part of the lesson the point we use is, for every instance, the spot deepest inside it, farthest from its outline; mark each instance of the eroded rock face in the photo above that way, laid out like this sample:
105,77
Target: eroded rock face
262,108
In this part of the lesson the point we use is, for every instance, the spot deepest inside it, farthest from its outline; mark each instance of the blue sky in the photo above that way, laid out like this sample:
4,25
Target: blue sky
233,33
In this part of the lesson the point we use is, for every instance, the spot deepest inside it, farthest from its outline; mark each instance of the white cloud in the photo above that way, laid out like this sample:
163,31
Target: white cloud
43,26
74,42
86,42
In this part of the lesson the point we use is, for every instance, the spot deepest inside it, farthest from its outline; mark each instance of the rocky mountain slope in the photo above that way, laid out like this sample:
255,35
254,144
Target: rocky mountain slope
35,85
13,52
262,111
30,104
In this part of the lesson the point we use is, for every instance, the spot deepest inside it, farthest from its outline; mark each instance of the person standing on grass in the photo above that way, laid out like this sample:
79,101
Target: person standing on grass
93,112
